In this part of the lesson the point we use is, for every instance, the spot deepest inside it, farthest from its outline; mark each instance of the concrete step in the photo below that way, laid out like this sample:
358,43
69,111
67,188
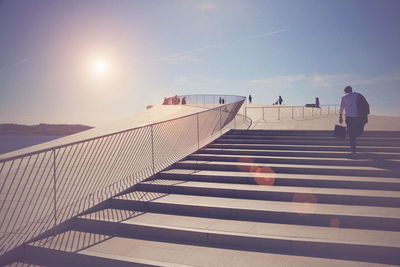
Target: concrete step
326,148
306,213
286,168
377,156
123,251
275,193
23,264
301,133
350,244
76,248
309,138
389,164
306,142
283,179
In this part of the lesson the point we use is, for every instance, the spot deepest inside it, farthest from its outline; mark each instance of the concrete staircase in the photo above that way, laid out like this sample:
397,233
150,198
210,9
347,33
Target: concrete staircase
251,198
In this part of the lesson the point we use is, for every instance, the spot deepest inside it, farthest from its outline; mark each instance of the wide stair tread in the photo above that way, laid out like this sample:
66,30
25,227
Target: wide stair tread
286,179
293,168
351,216
361,142
343,147
271,192
297,153
124,251
247,228
300,160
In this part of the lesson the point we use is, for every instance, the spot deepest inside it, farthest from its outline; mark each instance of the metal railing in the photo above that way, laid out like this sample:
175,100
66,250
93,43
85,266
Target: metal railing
42,189
279,112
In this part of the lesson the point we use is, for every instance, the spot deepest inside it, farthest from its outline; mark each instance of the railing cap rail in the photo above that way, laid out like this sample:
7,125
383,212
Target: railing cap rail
115,133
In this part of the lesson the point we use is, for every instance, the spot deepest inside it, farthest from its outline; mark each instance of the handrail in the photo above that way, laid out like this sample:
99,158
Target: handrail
279,107
111,134
44,188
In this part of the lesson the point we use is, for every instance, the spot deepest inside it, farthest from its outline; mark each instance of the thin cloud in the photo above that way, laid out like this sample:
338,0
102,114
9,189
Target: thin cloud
207,6
18,63
182,59
323,81
259,36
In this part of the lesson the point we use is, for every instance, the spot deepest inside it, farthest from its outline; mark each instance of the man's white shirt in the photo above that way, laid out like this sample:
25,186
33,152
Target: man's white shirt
349,104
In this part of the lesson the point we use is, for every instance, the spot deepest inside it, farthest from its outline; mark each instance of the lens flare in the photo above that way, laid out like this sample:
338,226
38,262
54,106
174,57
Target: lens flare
334,222
304,203
262,175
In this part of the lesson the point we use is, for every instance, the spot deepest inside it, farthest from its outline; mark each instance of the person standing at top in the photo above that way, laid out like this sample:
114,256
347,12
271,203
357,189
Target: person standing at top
250,99
280,100
357,109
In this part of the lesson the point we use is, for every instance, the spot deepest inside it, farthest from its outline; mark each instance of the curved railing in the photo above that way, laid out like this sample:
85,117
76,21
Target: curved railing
42,189
278,112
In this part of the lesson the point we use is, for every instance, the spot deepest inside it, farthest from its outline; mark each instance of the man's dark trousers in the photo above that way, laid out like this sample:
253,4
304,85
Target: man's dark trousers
353,129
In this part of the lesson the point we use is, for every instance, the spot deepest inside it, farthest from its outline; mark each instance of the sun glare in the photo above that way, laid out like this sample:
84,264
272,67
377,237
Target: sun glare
100,66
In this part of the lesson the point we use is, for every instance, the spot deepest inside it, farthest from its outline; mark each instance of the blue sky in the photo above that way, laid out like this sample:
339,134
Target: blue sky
157,48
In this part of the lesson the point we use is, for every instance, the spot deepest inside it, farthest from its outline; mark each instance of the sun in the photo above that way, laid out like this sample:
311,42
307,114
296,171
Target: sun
100,67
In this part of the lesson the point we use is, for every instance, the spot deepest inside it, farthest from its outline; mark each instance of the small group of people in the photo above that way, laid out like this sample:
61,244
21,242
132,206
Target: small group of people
174,100
222,100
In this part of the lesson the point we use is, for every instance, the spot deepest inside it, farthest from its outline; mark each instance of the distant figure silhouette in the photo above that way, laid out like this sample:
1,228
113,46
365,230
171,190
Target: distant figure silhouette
184,101
175,100
357,109
165,101
220,100
280,100
223,101
250,99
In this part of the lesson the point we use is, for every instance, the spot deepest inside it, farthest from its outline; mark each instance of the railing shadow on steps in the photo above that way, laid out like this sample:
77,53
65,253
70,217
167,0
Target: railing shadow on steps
43,189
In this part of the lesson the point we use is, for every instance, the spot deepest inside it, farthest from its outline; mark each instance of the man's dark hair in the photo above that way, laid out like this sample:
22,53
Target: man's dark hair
348,89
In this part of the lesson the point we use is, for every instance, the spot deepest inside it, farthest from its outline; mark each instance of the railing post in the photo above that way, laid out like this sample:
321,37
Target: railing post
55,189
263,112
303,111
329,109
320,110
198,132
335,109
312,111
279,113
292,112
152,148
220,120
198,142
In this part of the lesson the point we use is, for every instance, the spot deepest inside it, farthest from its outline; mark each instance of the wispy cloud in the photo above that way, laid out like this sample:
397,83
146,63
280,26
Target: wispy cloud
20,62
182,59
323,81
206,6
259,36
311,80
